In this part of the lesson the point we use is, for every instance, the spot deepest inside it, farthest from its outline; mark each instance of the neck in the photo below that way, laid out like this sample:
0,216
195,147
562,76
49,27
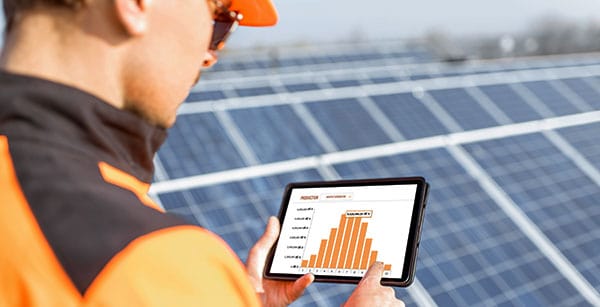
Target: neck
66,59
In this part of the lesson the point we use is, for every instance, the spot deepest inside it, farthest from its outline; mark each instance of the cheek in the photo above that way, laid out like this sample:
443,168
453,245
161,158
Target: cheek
198,30
201,40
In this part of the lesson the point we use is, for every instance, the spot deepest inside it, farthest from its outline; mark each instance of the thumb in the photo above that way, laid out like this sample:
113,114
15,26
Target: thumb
258,253
270,235
373,275
298,287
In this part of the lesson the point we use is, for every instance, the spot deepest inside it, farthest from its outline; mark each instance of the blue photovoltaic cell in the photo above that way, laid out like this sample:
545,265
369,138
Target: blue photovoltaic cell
586,139
465,110
378,80
197,144
286,62
551,98
584,90
275,133
452,74
471,253
321,59
205,95
409,115
298,87
552,191
510,103
420,76
254,91
347,123
344,83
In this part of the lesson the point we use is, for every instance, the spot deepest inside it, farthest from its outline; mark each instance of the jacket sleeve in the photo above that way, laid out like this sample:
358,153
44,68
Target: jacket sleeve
178,266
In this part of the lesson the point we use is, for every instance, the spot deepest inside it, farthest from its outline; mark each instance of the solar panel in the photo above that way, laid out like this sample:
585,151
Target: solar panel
276,133
559,198
299,57
587,141
493,138
583,89
344,83
198,144
255,91
467,112
298,87
407,113
205,96
551,98
387,79
471,252
347,123
510,103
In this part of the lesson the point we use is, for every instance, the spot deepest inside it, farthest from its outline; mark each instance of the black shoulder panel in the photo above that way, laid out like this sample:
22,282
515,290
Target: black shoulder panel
86,220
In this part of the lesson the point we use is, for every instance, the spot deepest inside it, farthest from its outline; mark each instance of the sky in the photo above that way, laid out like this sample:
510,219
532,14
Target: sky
318,21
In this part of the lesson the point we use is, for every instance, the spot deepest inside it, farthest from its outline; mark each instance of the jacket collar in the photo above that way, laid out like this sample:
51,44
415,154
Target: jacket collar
71,117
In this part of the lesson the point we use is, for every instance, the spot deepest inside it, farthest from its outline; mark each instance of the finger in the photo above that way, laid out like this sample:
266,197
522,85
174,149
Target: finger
270,235
374,274
299,286
258,253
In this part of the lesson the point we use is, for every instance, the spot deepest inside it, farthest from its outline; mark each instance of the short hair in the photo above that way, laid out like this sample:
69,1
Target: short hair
14,8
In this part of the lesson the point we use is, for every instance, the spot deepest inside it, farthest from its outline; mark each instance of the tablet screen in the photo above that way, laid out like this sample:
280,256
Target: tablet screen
341,230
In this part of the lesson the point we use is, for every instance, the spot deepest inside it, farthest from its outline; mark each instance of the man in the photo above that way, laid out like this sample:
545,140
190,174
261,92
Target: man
87,88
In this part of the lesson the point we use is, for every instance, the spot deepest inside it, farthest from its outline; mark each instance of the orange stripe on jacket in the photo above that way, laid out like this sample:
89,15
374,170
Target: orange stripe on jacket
127,181
30,273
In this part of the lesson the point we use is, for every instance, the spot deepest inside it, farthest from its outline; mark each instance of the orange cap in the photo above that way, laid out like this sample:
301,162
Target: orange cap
257,13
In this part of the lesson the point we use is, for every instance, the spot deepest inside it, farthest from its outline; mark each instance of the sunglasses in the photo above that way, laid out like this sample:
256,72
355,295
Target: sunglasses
224,24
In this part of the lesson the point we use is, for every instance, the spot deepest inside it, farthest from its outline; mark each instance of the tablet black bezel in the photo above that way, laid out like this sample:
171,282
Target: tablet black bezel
412,246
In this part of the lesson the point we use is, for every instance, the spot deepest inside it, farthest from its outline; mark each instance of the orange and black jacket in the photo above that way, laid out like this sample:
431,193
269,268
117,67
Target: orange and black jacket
76,225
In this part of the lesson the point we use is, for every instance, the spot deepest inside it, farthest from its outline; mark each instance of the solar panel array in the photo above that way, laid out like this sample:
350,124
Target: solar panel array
511,149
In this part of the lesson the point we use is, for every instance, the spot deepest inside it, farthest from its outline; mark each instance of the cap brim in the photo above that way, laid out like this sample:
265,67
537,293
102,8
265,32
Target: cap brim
257,13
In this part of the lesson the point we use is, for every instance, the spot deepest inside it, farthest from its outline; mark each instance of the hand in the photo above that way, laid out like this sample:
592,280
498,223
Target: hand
370,292
273,292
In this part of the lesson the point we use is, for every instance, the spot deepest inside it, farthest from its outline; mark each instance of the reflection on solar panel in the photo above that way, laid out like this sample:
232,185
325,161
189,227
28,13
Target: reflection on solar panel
511,148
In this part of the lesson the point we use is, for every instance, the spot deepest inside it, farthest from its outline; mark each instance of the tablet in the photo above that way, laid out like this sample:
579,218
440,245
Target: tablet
337,229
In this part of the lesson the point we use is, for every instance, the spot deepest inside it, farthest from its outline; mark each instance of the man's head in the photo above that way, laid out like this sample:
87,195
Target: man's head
148,52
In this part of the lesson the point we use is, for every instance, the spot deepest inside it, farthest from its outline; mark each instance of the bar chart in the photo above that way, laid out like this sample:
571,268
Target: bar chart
347,246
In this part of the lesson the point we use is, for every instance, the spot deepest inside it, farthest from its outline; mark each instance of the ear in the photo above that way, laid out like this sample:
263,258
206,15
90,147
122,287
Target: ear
133,15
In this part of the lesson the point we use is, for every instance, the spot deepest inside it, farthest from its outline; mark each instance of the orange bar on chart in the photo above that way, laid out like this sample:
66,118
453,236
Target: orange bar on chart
360,246
329,247
321,253
304,263
387,267
313,259
373,258
338,240
346,239
365,255
352,248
